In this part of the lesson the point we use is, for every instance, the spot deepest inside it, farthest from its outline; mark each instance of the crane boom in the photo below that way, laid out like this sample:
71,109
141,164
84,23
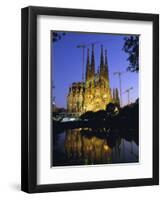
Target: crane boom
128,93
120,85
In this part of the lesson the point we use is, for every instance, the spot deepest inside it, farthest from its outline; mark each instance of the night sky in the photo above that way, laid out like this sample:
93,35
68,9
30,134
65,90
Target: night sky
67,63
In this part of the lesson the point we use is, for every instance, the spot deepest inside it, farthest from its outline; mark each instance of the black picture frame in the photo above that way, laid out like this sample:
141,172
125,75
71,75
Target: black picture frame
29,99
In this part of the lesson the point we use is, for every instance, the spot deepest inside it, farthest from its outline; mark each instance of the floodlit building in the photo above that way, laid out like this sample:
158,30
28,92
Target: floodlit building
94,93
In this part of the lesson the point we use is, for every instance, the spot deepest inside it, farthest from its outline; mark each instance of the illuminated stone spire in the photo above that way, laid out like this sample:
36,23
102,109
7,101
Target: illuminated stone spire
102,67
106,66
88,68
93,61
106,59
102,57
88,62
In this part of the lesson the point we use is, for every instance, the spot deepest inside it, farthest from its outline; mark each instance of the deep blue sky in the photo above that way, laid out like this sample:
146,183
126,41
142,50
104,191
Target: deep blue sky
67,63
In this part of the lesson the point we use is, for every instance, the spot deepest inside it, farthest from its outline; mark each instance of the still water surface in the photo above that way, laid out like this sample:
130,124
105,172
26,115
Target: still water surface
90,147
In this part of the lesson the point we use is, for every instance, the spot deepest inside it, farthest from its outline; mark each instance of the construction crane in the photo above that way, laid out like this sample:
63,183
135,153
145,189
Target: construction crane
128,93
120,84
83,46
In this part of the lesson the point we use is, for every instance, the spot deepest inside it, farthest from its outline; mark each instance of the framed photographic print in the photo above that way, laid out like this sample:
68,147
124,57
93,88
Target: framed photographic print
90,99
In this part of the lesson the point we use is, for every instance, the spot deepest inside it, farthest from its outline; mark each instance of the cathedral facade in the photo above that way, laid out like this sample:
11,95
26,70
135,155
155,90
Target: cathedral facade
94,93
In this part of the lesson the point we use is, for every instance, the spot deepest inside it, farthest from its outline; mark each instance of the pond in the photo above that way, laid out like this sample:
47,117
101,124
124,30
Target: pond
86,146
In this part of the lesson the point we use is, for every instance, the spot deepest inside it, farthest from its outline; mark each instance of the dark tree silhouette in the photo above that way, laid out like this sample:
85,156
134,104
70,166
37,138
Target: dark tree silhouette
131,46
89,115
100,115
110,109
129,115
57,36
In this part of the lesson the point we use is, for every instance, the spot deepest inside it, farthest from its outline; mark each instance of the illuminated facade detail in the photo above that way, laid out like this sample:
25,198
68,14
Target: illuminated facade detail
95,93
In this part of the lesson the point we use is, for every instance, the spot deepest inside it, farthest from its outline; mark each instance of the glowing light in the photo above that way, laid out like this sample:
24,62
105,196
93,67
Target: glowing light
106,148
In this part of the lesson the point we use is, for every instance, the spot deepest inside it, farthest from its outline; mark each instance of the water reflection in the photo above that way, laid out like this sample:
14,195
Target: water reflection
87,146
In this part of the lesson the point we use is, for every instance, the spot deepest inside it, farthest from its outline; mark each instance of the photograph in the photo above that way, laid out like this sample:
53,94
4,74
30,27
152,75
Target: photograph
94,98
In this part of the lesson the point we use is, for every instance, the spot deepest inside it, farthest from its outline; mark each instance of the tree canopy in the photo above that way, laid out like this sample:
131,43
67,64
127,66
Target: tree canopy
131,46
57,36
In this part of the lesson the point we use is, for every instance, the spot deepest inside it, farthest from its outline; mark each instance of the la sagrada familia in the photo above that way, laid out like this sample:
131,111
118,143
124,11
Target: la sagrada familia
94,93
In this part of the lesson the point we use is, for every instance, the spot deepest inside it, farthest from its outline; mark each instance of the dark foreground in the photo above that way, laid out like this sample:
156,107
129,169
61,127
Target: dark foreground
103,137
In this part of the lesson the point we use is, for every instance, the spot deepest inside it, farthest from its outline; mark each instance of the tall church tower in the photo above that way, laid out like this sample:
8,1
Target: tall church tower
92,65
89,82
95,93
90,69
107,73
104,78
104,73
102,67
106,69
